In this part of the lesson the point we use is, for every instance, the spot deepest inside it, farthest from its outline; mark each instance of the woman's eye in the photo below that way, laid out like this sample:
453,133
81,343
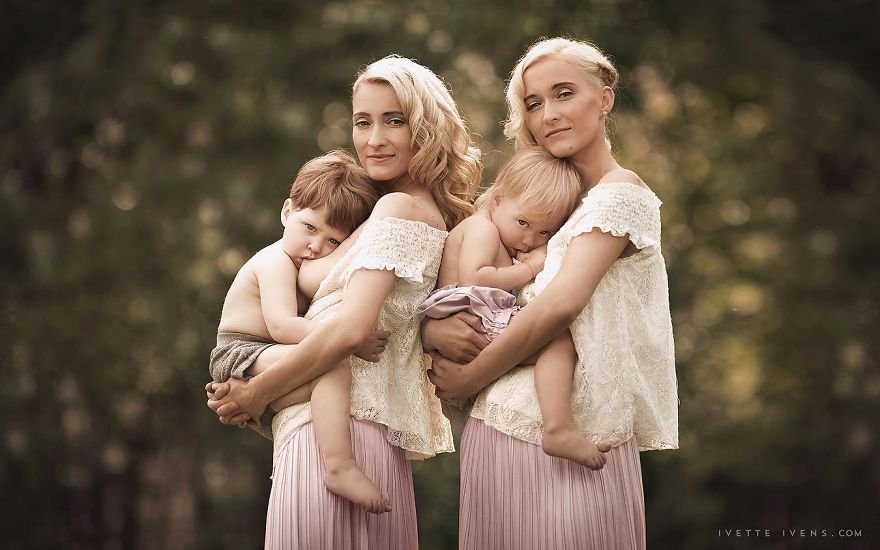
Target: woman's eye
564,93
361,123
396,122
532,105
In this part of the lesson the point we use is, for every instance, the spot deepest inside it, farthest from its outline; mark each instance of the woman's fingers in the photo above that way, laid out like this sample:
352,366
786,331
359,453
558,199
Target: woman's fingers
475,337
471,320
220,390
466,352
434,377
227,409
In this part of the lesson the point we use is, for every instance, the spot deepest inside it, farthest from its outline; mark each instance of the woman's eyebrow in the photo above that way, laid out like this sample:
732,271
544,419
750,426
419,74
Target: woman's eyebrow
387,113
554,87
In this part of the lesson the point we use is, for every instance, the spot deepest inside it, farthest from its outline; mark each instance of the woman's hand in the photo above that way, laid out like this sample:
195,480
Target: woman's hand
459,337
452,379
235,402
215,392
373,346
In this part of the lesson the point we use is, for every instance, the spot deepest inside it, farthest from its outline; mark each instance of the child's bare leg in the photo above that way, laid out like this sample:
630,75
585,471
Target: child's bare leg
554,372
271,356
294,396
331,401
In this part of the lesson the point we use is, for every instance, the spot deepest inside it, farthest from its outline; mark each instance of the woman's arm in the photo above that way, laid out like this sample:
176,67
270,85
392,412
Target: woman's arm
330,342
588,258
323,348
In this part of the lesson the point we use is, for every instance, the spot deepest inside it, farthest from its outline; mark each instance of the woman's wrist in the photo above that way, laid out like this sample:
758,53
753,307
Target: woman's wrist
472,376
426,336
258,391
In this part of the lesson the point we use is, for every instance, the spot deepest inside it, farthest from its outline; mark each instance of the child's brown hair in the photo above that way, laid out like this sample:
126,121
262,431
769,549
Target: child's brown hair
335,181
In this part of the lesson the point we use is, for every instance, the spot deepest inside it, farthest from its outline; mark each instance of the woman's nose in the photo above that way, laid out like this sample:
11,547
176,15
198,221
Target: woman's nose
377,136
550,114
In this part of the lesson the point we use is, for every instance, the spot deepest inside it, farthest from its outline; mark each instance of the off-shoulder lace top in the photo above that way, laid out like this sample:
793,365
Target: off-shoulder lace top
624,381
395,391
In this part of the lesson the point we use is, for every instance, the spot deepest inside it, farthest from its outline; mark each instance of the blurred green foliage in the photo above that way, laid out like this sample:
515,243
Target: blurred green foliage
145,152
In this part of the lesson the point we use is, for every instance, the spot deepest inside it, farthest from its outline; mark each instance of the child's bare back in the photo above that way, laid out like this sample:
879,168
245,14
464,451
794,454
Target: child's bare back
242,309
479,226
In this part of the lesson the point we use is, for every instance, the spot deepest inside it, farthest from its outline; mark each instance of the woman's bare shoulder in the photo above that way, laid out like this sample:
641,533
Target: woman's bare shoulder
623,175
406,207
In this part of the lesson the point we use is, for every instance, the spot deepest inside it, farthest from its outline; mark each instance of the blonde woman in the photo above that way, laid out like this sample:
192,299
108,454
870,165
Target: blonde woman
411,139
605,279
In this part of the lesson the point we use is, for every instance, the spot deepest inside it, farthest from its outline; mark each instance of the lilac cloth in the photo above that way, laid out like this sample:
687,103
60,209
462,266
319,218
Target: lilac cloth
303,514
515,497
493,306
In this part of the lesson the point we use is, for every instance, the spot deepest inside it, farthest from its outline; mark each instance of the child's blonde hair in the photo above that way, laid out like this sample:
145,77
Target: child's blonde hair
550,185
335,181
445,161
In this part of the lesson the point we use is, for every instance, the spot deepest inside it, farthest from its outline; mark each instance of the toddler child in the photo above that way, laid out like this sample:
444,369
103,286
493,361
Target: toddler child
499,249
329,198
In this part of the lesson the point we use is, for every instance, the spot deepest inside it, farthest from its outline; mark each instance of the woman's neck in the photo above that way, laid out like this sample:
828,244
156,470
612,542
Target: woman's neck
594,162
404,184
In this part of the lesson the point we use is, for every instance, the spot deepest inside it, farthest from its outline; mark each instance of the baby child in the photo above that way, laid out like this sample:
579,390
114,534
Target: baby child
499,249
329,198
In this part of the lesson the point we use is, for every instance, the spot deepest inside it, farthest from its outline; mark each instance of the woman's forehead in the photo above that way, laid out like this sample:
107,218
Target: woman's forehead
551,70
375,96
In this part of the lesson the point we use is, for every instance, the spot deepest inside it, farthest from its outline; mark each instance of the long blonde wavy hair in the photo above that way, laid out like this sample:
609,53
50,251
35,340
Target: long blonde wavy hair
590,58
445,159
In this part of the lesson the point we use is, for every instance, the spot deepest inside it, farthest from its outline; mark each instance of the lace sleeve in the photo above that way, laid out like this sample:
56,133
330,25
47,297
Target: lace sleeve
403,246
620,209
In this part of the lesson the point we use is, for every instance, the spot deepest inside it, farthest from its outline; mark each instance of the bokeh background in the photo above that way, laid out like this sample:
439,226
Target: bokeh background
146,148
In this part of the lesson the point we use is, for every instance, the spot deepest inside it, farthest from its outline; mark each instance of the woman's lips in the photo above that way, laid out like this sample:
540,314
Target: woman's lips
555,132
380,158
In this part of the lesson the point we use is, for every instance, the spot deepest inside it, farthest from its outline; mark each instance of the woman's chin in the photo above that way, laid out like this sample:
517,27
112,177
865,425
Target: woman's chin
384,175
561,150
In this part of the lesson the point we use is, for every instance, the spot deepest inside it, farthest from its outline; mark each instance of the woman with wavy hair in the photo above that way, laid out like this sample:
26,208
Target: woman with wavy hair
604,279
412,141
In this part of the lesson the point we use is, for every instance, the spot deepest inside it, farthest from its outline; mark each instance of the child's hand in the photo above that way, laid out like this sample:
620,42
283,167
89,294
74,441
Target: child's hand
373,346
535,258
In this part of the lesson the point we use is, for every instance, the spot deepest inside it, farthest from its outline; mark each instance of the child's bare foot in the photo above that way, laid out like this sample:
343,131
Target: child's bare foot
571,444
348,481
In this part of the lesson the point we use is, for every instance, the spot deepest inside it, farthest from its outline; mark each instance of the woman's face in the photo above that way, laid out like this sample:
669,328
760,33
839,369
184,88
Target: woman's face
564,108
381,134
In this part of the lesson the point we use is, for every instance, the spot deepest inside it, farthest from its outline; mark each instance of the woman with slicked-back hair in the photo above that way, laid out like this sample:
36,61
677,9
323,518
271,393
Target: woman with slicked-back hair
413,143
604,279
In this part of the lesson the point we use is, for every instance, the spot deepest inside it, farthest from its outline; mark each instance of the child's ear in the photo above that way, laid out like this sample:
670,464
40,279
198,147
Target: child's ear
286,209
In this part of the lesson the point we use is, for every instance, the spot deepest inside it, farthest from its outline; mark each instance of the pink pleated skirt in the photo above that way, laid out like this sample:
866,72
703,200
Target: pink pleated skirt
513,496
303,514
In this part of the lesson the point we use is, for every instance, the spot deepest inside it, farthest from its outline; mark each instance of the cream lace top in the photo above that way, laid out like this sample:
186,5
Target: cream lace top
395,391
624,381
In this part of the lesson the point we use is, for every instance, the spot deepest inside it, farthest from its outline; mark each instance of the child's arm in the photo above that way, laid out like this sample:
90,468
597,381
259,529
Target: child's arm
476,261
276,277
